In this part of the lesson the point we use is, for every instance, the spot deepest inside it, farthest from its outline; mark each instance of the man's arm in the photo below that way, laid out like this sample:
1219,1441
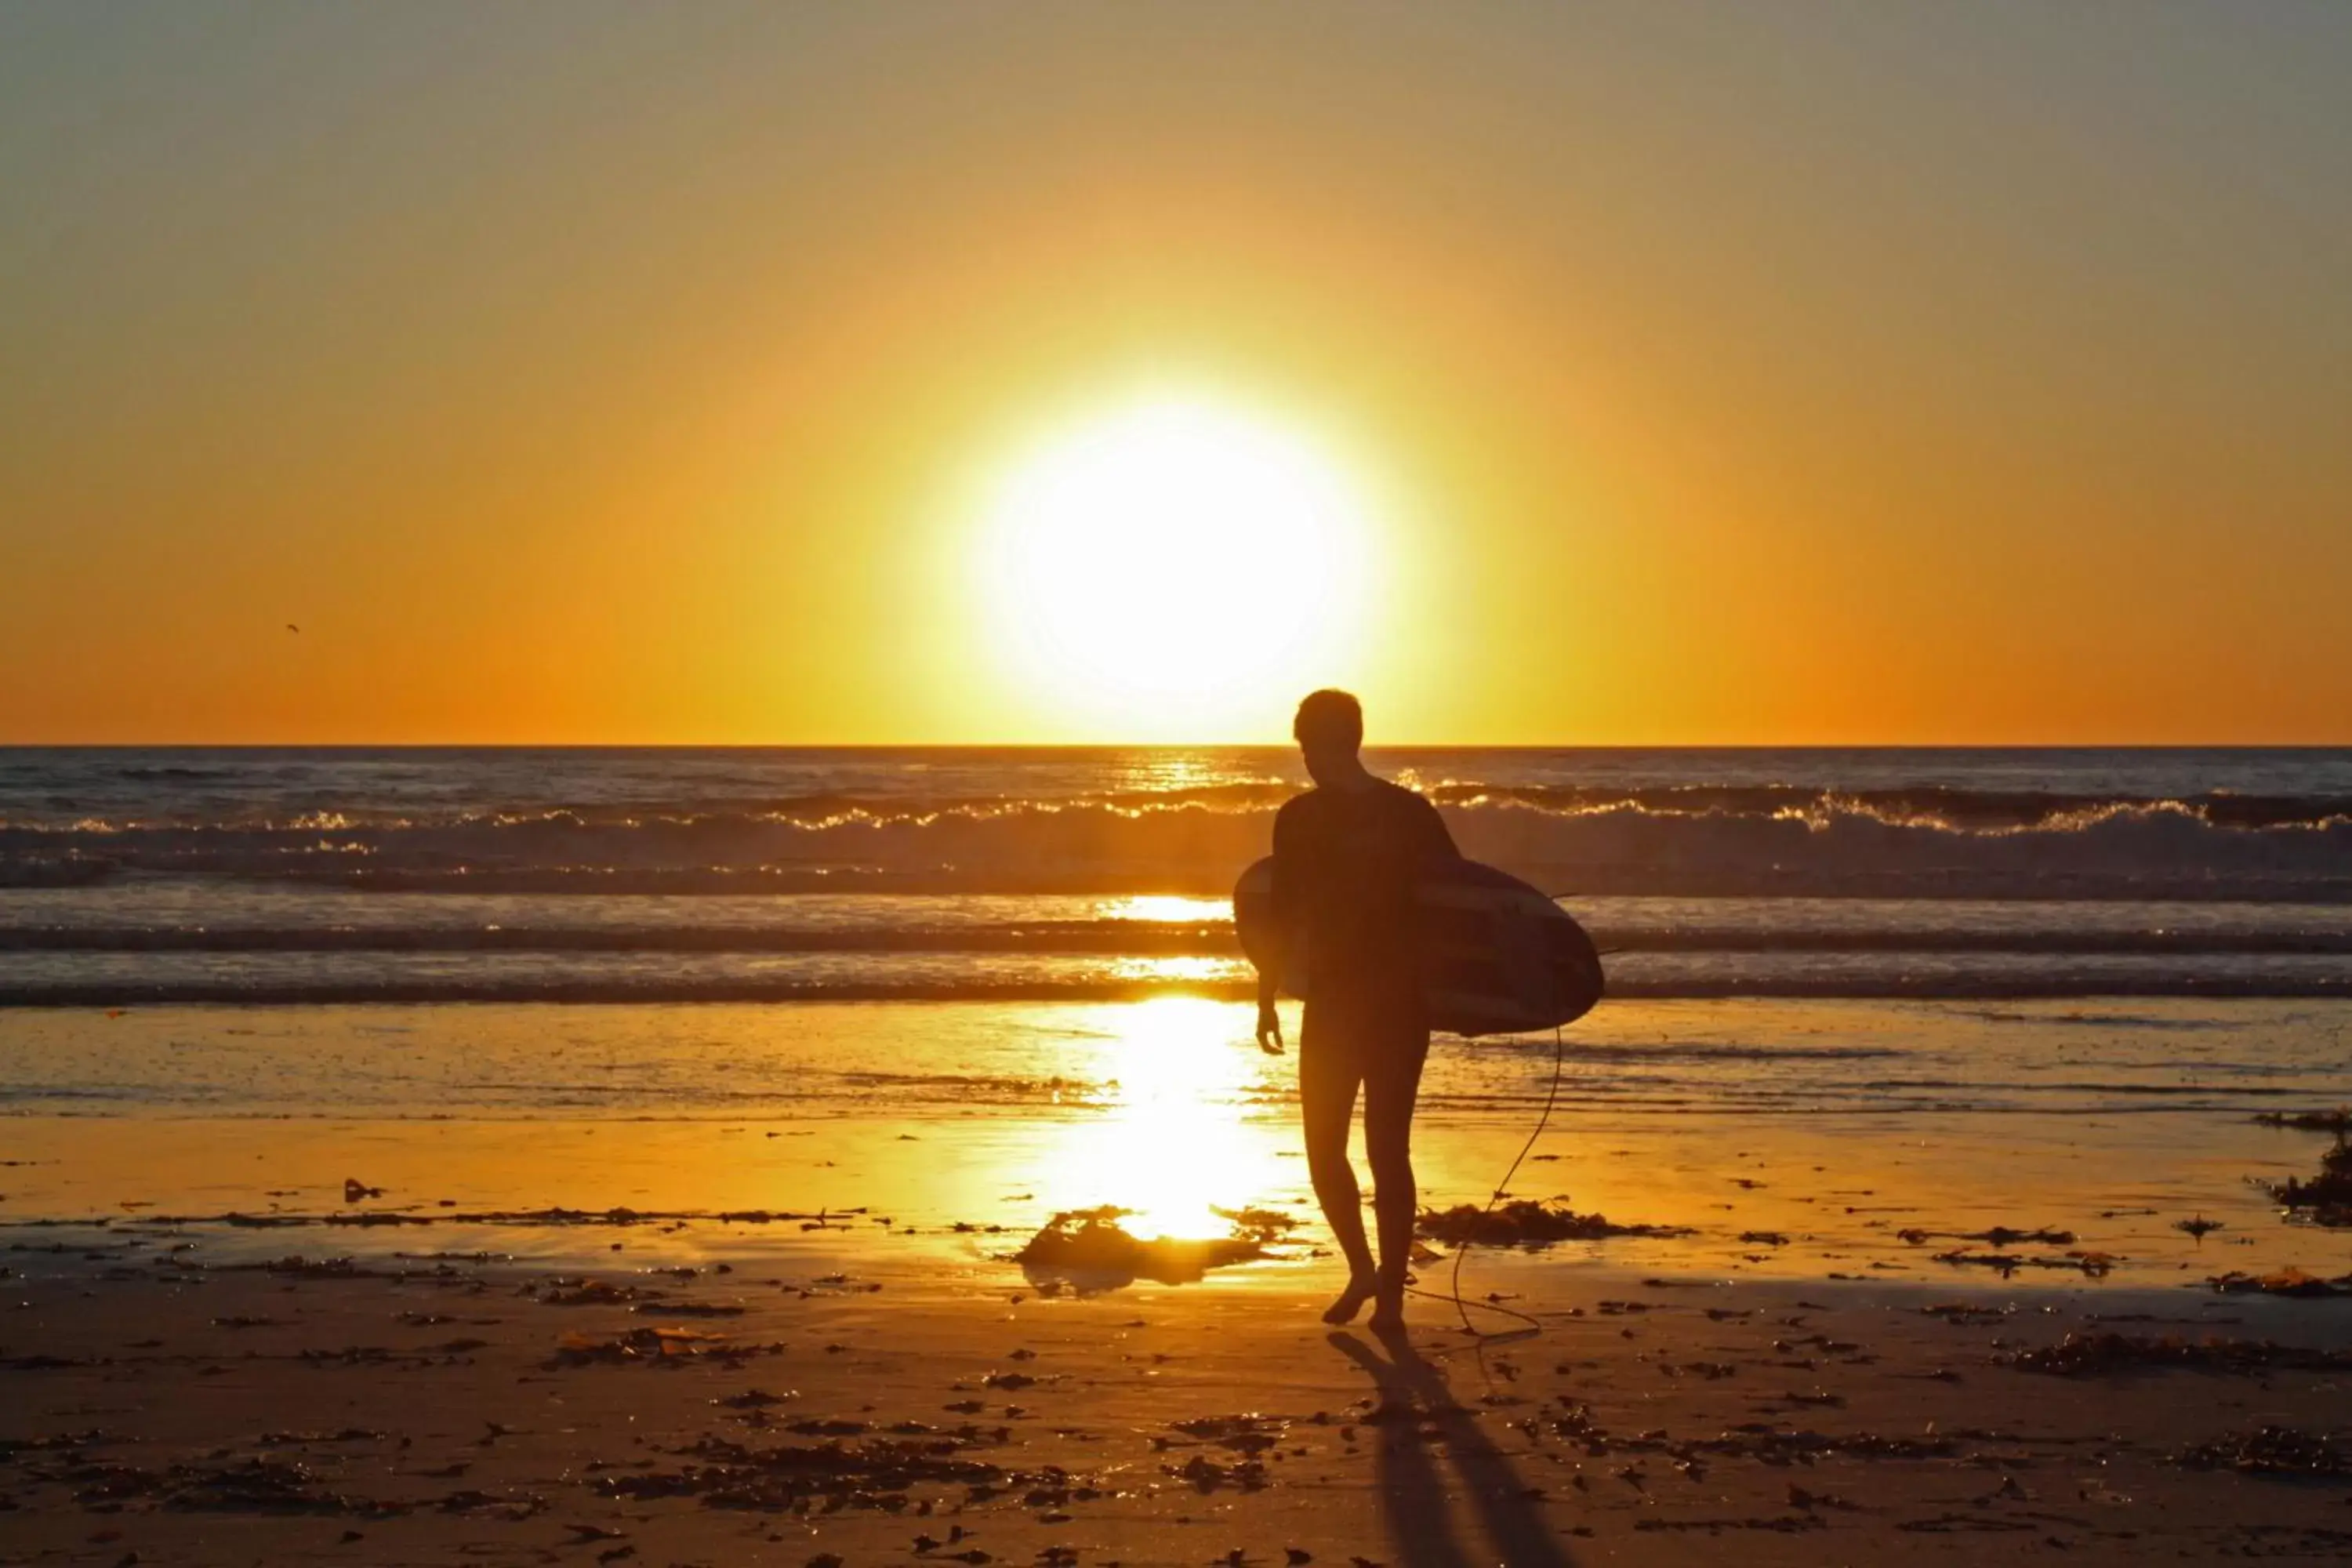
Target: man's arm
1269,1022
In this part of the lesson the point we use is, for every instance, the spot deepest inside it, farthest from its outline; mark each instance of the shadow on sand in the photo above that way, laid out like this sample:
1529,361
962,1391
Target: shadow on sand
1419,1504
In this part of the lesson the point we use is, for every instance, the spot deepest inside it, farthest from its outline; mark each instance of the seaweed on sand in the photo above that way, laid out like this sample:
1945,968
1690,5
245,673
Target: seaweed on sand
2338,1120
2089,1356
876,1474
249,1486
1525,1223
652,1347
1997,1235
2275,1451
1091,1250
2326,1198
2286,1282
2094,1265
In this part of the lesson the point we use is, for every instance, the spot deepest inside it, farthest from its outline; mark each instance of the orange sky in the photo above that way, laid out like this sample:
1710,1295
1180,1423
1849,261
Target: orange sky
1737,373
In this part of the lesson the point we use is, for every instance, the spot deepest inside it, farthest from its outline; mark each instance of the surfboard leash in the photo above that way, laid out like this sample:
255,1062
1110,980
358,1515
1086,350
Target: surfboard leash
1454,1285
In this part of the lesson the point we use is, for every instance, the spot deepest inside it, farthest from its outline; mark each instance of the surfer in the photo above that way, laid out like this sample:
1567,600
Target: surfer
1345,857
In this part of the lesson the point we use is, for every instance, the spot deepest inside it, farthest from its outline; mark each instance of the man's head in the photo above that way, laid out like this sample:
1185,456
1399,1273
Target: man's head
1330,729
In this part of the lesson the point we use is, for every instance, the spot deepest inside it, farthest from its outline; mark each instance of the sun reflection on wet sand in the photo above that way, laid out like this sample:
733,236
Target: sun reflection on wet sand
1175,1144
945,1136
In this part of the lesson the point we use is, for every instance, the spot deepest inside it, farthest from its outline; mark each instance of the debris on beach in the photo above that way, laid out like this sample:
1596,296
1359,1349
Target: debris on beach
2285,1282
250,1486
1267,1223
1999,1236
1787,1524
2093,1263
650,1346
2326,1198
874,1474
1090,1250
307,1439
576,1292
755,1399
1966,1314
2275,1451
2092,1354
1206,1476
2338,1120
1249,1433
1751,1440
1526,1223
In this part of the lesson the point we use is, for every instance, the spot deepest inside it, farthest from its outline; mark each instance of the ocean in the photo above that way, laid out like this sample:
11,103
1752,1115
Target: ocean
977,987
613,875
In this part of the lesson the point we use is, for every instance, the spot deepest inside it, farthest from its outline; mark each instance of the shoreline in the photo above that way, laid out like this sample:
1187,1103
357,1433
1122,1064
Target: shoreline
1740,1194
1866,1216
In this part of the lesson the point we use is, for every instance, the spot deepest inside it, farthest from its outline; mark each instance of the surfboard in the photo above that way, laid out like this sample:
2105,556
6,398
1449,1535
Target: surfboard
1504,958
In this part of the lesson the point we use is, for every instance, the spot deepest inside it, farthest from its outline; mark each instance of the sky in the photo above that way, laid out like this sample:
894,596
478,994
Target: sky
1638,374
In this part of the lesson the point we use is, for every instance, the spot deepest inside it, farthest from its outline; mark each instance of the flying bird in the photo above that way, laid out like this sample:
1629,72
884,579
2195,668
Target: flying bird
292,627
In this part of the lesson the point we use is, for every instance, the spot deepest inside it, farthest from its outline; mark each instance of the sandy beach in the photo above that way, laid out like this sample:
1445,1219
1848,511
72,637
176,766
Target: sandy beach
383,1411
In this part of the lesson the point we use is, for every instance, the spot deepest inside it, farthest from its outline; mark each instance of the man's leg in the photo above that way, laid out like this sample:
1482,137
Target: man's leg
1391,1087
1328,1074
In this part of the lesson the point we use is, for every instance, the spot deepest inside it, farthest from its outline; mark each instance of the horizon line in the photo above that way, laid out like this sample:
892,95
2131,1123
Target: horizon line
1170,745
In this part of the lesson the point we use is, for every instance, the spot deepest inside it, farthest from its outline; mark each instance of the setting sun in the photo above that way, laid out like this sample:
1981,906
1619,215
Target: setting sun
1234,779
1176,568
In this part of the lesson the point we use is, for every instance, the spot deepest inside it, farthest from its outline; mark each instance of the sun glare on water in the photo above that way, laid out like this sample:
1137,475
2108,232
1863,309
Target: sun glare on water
1175,571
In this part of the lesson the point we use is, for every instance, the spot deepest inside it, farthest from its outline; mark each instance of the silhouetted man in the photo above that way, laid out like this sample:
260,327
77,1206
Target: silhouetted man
1347,855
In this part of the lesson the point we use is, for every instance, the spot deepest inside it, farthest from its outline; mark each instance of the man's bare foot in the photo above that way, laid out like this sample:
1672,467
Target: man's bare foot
1351,1300
1388,1314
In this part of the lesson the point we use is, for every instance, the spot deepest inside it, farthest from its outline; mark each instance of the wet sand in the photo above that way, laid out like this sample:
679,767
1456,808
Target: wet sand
1824,1197
798,1338
160,1410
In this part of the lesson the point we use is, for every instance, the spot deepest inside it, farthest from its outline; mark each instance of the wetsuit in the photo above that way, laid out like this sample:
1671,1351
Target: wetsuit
1345,866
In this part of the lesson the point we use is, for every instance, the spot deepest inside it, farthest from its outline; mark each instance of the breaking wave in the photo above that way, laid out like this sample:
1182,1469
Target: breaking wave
1128,938
114,979
1695,840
